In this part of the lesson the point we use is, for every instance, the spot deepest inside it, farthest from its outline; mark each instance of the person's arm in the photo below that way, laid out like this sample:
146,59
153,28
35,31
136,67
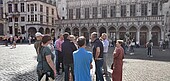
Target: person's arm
97,53
51,63
116,53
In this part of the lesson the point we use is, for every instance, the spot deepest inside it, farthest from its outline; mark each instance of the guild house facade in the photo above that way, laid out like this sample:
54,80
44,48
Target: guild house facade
142,20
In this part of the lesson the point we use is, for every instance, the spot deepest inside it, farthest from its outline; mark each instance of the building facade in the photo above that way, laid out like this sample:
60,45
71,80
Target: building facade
1,19
142,20
167,18
26,17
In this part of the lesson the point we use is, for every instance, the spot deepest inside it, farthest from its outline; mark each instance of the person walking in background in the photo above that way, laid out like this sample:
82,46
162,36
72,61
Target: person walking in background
118,56
67,50
149,46
37,44
105,51
58,46
98,55
45,60
29,40
82,61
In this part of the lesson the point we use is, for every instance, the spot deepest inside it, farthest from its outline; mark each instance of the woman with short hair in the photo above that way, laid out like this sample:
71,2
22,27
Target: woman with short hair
45,60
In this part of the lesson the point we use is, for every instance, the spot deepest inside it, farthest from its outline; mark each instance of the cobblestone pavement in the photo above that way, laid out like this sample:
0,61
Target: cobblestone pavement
19,64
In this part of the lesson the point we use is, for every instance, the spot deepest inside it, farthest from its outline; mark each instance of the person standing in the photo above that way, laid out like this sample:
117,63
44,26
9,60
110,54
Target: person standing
59,54
105,51
37,44
67,50
118,56
98,55
45,60
82,61
149,47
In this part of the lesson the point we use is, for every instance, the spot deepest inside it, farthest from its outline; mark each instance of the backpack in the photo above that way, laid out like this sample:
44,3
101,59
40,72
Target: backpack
149,45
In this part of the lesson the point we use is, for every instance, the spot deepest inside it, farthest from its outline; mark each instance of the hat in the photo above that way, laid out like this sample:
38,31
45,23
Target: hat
38,34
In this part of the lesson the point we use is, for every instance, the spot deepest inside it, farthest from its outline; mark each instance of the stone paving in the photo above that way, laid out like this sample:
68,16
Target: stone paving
19,64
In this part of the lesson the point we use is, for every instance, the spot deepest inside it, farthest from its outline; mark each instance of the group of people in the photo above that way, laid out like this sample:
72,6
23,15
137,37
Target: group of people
12,40
68,53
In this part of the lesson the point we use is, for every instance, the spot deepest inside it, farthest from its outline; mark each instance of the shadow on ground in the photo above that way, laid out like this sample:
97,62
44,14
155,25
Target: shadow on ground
27,76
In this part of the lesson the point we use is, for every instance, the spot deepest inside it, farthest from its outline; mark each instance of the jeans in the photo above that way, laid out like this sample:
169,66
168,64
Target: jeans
57,64
149,51
99,74
67,71
104,62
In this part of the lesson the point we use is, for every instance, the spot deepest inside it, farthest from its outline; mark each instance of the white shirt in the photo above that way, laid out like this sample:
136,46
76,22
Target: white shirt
105,45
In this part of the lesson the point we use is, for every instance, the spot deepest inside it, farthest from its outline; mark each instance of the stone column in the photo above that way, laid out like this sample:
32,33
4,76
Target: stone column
162,34
149,9
79,31
128,10
138,35
150,35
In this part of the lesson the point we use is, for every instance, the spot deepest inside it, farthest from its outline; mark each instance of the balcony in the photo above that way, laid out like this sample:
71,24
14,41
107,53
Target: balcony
113,20
14,14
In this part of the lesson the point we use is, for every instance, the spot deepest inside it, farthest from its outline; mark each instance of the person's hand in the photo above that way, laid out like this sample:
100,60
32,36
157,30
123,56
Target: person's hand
91,66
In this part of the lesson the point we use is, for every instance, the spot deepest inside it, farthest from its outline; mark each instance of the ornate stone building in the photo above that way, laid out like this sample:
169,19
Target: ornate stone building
26,17
1,19
142,20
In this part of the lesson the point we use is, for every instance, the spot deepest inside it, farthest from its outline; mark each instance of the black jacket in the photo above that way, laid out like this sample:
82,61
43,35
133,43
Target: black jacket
67,50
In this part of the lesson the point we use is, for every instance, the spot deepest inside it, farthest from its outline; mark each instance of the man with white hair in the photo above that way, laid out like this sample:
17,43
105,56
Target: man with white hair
38,36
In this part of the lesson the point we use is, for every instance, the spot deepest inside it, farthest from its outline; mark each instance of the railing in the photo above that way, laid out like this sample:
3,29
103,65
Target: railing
114,20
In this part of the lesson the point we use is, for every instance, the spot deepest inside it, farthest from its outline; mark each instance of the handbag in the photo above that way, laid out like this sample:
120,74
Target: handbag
45,77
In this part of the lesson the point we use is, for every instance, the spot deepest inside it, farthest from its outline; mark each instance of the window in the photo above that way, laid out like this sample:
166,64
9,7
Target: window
86,13
22,19
41,8
1,12
10,30
144,9
52,21
15,7
22,7
28,7
47,19
113,11
1,1
9,8
154,8
16,19
35,17
104,12
35,7
32,8
28,18
23,29
94,12
41,18
47,11
10,19
78,13
52,11
63,17
70,14
32,17
132,10
123,11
